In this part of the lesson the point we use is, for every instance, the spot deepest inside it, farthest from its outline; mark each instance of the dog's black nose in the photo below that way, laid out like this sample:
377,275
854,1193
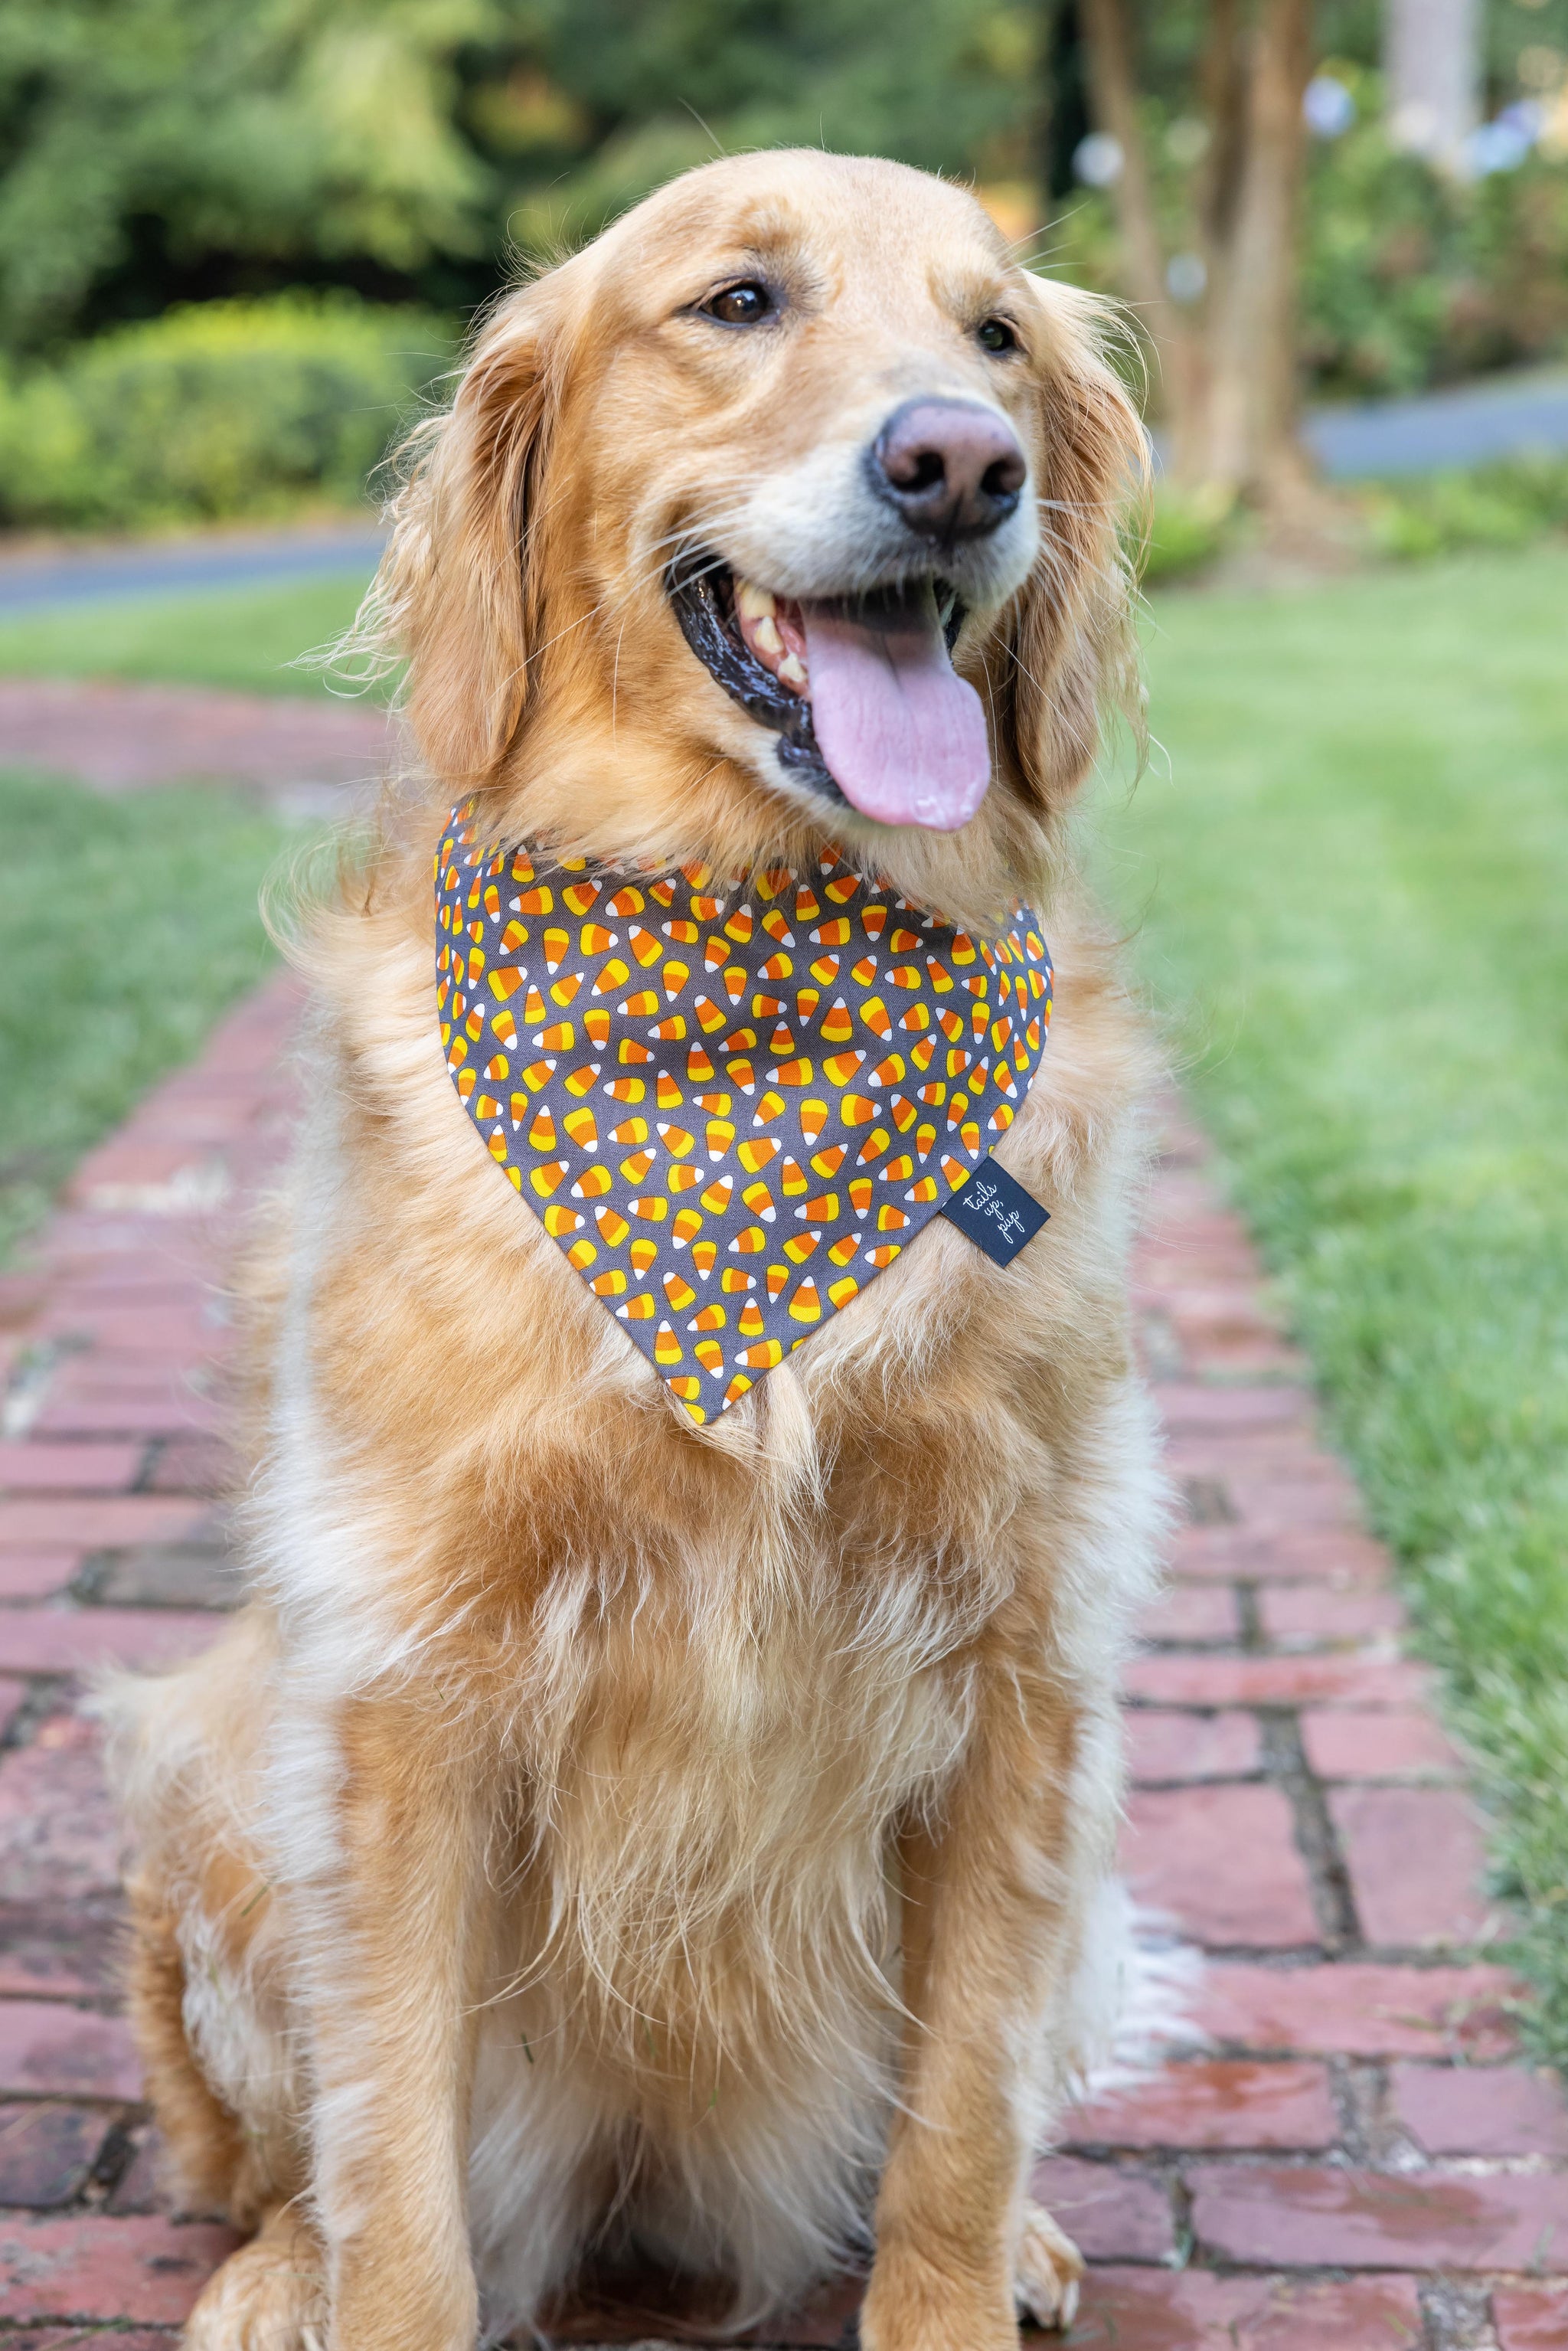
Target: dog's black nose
953,470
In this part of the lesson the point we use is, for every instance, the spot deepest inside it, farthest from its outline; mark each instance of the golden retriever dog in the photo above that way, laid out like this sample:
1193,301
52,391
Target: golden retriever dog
608,1836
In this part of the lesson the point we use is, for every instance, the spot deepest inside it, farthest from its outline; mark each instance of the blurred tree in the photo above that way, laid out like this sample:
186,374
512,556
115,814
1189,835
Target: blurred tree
158,149
649,86
1220,308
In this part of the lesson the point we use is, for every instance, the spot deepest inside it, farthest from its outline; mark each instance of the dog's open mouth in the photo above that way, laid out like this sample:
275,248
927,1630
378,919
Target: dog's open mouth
861,690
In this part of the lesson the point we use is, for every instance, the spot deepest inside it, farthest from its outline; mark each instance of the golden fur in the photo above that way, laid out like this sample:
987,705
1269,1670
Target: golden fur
600,1834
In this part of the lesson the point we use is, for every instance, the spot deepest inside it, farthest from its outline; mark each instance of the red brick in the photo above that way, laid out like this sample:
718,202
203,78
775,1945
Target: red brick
47,2152
1253,1454
1481,2109
1213,2102
36,1574
1192,2310
1374,1746
154,1334
21,1297
133,1156
1220,1863
12,1693
89,1523
59,1837
80,1640
1356,1680
1328,1499
1530,2317
1379,2220
1312,1616
1163,1744
95,2266
1215,1306
53,1955
170,1409
144,2186
1188,1405
1359,2010
71,1468
193,1465
1193,1612
1110,2215
148,1280
66,2052
1416,1860
1255,1352
1286,1554
73,2338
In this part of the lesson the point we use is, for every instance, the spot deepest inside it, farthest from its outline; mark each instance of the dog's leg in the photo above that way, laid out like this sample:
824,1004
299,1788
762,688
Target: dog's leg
393,1927
987,1898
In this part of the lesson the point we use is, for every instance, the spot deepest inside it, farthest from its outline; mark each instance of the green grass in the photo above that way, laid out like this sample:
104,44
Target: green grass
126,926
237,637
1350,903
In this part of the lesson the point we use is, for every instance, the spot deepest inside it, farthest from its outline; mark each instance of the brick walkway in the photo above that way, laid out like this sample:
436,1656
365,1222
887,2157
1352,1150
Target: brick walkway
1354,2157
297,749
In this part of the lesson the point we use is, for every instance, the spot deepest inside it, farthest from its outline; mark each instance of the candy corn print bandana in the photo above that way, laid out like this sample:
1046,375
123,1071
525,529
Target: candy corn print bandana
731,1101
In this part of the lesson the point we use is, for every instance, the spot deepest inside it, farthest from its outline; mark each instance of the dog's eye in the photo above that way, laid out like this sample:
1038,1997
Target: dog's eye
740,306
995,335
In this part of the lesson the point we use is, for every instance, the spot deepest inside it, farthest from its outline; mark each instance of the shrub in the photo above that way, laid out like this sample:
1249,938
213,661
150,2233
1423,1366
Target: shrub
1187,530
1501,505
216,409
1412,278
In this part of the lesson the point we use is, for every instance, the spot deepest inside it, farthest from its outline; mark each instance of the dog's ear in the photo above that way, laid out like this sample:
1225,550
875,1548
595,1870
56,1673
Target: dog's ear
457,593
1063,650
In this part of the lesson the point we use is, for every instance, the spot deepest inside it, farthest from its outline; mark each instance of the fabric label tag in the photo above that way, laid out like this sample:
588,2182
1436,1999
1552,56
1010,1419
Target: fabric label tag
996,1212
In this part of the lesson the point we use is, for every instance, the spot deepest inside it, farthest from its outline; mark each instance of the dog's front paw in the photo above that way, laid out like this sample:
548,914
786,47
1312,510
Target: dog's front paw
912,2303
1047,2271
270,2296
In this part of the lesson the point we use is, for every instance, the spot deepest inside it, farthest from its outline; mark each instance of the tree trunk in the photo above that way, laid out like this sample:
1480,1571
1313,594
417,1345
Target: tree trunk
1114,92
1226,365
1249,441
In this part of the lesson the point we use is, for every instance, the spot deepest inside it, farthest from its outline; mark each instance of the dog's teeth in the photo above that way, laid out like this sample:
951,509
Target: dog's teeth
753,603
792,670
765,637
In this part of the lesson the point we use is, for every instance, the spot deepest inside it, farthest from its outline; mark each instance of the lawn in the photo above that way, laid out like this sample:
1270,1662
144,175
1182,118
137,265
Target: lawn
237,637
129,925
1349,900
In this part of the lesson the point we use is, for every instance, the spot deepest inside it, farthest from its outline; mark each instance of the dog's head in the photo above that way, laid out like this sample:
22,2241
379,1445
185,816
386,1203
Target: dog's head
789,503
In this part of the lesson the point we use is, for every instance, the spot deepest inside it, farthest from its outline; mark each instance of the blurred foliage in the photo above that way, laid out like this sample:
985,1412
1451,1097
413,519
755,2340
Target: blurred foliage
1409,277
161,150
1506,504
154,151
1413,278
1187,533
219,408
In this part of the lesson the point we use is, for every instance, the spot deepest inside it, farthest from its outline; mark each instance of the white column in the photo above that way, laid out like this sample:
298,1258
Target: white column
1432,65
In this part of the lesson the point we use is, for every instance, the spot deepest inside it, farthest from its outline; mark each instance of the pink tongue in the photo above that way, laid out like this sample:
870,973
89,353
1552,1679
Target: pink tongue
903,736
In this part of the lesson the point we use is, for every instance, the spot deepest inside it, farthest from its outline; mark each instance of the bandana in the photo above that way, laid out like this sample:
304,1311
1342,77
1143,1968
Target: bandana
732,1102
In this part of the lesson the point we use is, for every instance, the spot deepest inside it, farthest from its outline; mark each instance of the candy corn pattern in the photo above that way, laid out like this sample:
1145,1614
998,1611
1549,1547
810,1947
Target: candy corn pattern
732,1102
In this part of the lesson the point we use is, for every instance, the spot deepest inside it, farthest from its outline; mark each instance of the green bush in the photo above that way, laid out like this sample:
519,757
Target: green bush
1187,530
1412,276
216,409
1502,504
